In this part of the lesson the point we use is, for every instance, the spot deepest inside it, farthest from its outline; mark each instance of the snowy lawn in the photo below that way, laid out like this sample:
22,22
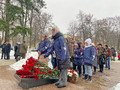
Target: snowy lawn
18,65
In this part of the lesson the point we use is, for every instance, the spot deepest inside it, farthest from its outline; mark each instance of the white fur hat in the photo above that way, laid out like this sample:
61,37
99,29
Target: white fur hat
89,41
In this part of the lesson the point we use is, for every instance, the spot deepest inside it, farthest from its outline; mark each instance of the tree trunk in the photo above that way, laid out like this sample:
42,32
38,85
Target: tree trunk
31,19
7,20
23,37
3,36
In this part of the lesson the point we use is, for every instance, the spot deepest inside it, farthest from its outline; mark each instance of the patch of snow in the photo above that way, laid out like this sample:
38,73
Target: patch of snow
117,87
18,65
49,63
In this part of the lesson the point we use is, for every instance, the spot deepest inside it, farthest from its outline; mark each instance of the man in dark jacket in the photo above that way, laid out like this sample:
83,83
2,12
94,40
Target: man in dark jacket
8,49
17,51
62,55
101,58
3,50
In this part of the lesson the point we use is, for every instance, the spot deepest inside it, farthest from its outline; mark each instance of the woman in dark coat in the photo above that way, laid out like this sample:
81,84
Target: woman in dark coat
95,61
62,56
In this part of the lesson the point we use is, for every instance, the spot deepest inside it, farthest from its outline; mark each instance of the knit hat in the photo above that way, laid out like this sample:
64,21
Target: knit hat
88,41
106,46
46,34
100,44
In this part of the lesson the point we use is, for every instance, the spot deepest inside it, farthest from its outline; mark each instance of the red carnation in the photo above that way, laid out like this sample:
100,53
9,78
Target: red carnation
80,48
36,70
22,76
108,53
55,69
73,76
36,77
118,56
39,64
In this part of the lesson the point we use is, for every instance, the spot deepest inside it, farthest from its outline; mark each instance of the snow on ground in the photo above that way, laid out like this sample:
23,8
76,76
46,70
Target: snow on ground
11,55
18,65
117,87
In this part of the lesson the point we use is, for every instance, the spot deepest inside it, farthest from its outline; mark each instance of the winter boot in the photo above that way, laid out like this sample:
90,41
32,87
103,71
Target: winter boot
85,77
89,79
94,73
57,83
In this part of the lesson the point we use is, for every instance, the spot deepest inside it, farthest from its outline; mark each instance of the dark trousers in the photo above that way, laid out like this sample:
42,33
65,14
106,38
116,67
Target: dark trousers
94,69
80,69
8,55
83,69
101,68
77,67
55,62
23,55
74,66
3,55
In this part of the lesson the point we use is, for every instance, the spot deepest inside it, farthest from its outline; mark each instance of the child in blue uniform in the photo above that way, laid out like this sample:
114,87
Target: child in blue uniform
78,58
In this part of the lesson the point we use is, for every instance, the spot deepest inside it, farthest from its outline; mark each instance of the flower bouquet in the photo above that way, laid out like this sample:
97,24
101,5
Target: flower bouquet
72,76
35,73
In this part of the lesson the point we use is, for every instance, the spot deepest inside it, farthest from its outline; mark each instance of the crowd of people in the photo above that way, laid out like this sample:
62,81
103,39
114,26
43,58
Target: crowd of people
6,48
73,54
20,50
68,54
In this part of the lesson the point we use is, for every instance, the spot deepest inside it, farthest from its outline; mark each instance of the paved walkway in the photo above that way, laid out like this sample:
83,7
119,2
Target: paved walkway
101,81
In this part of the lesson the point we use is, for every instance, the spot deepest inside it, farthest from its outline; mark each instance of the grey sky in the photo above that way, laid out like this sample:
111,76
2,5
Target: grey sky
64,11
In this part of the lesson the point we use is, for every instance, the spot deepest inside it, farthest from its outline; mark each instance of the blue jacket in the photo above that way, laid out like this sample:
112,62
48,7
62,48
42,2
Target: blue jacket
8,48
78,60
3,47
113,52
88,55
60,47
44,46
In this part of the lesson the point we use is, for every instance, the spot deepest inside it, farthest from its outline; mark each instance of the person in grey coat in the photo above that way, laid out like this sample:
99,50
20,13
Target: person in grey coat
95,65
